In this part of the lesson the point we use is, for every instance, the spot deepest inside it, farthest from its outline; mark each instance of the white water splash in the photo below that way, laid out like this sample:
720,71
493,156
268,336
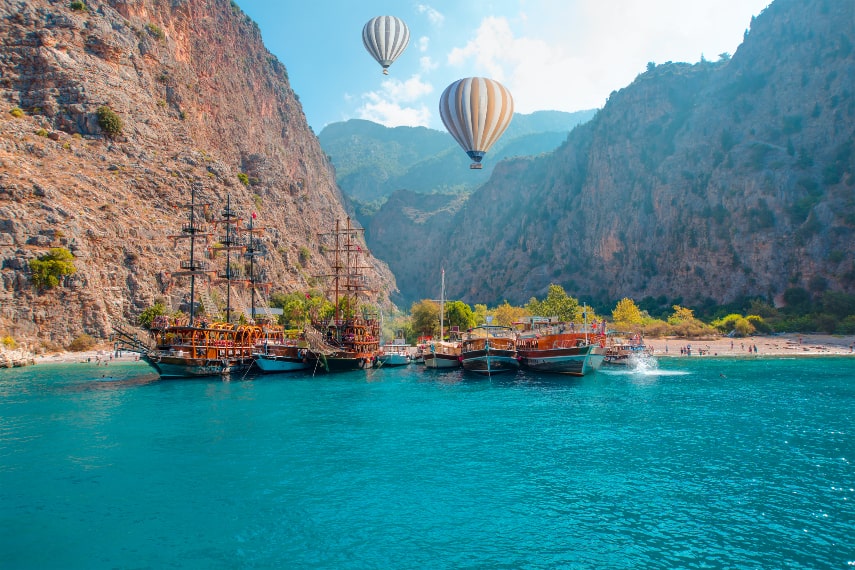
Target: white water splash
643,367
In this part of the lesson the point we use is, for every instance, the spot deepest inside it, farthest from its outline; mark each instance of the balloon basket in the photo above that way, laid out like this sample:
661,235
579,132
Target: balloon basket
476,166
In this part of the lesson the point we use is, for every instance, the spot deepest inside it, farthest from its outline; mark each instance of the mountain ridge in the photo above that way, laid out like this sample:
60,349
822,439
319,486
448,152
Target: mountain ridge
703,183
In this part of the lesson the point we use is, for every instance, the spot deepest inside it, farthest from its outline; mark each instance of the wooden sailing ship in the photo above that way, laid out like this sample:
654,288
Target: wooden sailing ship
350,338
198,345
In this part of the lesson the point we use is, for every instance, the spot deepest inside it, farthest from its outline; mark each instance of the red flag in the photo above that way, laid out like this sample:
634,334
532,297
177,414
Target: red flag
253,215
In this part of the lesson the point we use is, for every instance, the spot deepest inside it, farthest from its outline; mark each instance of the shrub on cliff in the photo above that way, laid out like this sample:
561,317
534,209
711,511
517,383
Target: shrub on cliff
16,112
155,31
81,343
47,269
109,121
305,255
78,6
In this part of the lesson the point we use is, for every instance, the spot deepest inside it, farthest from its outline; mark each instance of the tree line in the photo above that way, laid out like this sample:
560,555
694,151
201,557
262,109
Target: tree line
831,312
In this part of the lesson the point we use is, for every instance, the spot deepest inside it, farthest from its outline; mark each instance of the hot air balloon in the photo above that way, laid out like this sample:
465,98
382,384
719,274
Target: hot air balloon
385,38
476,111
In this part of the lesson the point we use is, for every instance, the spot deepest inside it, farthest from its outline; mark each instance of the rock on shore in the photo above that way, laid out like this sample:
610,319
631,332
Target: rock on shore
16,358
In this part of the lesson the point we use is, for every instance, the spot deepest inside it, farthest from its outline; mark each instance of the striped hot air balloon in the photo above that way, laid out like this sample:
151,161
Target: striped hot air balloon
385,38
476,111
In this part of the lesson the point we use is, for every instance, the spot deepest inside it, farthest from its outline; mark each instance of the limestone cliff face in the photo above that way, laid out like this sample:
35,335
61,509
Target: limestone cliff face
708,181
201,101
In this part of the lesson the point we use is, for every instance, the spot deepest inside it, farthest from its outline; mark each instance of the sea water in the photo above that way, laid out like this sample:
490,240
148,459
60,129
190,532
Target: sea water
683,463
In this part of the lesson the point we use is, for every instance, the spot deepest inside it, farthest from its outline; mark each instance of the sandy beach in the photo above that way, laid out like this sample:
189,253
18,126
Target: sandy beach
790,344
101,356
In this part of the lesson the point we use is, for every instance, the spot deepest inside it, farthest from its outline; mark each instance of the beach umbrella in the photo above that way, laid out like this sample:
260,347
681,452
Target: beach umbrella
476,111
385,38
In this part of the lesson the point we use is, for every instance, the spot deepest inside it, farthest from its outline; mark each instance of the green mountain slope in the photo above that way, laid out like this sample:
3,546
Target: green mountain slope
372,161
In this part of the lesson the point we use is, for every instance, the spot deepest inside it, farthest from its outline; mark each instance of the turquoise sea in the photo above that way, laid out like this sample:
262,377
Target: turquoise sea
687,463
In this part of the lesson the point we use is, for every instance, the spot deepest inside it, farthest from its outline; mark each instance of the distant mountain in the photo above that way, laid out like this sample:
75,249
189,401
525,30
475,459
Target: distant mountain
373,161
704,183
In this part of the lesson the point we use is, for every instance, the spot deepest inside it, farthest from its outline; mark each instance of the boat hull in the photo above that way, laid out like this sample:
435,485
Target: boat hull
576,361
442,361
338,362
176,367
490,362
273,363
393,359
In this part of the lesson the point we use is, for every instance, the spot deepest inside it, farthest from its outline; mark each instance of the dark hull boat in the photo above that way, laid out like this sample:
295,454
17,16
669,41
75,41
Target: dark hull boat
546,344
576,360
489,350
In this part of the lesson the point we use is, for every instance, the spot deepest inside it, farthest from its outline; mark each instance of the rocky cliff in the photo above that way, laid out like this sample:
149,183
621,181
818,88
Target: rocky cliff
708,182
201,102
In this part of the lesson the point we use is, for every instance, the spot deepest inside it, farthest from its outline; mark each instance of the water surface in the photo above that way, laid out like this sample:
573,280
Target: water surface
689,463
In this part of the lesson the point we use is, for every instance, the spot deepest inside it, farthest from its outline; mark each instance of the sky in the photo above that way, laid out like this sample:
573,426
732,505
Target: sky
564,55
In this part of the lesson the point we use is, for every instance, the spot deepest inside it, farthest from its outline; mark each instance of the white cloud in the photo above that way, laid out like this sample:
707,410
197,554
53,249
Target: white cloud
424,43
397,103
426,64
392,115
538,75
572,55
434,16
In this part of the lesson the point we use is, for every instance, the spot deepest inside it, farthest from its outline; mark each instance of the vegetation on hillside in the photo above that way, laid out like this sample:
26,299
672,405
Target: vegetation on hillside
47,269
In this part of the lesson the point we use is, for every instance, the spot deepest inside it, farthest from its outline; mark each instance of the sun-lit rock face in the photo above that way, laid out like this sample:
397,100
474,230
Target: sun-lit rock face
201,101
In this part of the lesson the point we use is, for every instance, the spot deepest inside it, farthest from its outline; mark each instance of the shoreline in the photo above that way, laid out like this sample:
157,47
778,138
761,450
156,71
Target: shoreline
788,344
101,357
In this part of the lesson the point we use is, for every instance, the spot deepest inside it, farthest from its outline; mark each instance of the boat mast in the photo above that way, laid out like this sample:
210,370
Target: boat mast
337,265
253,249
442,307
348,281
229,242
192,230
248,247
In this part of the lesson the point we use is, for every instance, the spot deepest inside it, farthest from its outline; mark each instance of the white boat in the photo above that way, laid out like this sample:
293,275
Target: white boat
395,353
626,349
442,354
